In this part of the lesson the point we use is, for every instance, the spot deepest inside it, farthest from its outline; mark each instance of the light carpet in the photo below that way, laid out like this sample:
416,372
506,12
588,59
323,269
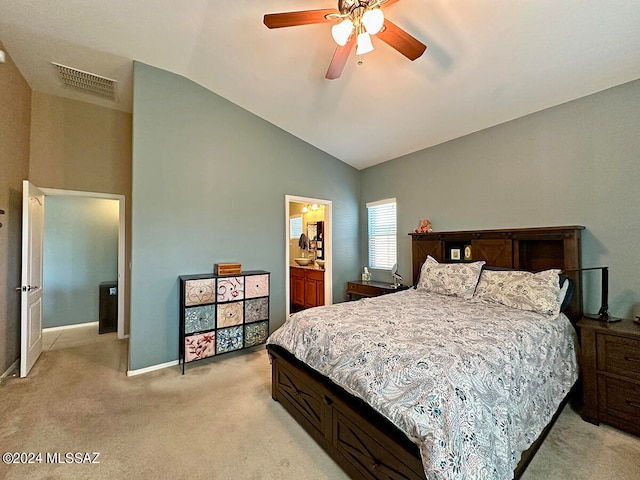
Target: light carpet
216,422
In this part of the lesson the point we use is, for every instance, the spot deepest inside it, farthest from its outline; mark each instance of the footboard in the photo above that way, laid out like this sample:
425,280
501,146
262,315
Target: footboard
364,443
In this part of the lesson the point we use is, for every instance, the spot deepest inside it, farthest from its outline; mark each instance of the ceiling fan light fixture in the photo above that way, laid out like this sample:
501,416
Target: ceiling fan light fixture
364,44
373,20
342,31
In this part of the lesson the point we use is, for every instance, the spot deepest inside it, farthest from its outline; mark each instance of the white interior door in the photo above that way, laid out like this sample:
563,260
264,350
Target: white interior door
31,288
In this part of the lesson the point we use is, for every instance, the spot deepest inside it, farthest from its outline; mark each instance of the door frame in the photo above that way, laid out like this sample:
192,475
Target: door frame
122,278
328,248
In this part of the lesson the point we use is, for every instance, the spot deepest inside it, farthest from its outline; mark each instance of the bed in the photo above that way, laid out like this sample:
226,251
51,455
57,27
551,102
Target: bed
452,379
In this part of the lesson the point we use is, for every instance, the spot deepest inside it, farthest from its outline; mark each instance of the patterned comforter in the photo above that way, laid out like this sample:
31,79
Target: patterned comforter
473,384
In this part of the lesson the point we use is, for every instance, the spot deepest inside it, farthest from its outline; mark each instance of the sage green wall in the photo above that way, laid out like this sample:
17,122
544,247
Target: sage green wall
80,252
209,185
574,164
15,129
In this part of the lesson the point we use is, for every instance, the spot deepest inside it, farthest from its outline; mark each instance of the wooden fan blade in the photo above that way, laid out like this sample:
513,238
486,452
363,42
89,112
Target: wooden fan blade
292,19
339,59
396,37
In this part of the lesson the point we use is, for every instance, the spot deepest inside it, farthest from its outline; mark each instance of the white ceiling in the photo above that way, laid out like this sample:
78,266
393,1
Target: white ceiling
487,62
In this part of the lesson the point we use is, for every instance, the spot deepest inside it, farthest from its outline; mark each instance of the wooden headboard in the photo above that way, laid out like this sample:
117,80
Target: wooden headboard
532,249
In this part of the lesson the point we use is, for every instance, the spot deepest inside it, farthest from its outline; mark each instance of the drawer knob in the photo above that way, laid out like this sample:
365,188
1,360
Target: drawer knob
374,466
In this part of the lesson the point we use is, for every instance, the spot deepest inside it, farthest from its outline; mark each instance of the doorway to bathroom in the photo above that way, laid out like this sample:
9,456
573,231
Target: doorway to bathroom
308,252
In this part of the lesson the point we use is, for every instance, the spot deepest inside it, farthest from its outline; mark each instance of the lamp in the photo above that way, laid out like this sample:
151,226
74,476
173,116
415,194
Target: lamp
373,20
305,209
342,31
364,43
362,17
603,313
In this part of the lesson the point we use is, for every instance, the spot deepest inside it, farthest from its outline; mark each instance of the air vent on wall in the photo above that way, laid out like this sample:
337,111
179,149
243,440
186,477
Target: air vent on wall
87,82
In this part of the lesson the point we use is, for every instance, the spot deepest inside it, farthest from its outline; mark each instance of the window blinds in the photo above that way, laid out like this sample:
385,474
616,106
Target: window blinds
295,227
382,233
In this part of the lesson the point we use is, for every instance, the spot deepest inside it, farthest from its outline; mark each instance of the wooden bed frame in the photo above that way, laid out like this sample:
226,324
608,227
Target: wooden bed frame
364,443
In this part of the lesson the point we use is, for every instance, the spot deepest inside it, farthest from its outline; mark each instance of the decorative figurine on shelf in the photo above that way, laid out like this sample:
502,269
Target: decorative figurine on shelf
425,226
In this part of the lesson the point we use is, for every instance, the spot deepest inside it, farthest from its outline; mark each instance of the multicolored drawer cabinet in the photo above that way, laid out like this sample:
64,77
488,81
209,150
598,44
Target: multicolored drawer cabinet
222,313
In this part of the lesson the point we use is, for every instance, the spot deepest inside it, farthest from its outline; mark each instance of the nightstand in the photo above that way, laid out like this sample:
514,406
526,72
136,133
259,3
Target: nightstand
610,362
371,288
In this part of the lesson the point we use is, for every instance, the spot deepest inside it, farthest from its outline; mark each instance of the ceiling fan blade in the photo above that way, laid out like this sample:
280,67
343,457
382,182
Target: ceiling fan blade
396,37
339,59
292,19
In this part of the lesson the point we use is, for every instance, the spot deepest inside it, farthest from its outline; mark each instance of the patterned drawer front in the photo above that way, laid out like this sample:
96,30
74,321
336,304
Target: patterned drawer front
256,309
230,288
199,319
229,339
255,333
197,347
229,314
198,292
256,286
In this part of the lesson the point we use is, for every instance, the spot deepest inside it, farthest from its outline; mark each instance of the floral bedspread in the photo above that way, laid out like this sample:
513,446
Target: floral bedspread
473,384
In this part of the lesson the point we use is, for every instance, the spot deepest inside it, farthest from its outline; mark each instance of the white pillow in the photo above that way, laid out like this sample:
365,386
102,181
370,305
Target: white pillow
537,292
458,279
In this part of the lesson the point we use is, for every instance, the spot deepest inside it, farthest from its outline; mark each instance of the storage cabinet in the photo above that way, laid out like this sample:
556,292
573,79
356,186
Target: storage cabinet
306,287
533,249
610,361
313,288
222,313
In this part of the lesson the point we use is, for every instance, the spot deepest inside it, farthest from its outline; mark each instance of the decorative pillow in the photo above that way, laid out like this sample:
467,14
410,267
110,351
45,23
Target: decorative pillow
537,292
458,279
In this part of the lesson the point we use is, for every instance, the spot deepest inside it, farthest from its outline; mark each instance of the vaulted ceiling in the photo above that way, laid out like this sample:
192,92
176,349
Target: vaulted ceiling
487,62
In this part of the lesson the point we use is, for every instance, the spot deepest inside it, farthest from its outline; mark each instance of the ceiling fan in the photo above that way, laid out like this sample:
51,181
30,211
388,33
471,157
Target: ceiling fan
357,21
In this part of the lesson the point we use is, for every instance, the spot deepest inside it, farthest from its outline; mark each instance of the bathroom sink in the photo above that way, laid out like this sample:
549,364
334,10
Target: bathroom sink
303,261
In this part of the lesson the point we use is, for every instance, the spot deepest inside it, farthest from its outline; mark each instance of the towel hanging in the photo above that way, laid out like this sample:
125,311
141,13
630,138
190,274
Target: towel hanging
302,243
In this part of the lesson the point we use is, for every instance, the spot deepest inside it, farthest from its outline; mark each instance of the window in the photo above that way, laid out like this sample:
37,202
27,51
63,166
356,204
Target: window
295,226
382,233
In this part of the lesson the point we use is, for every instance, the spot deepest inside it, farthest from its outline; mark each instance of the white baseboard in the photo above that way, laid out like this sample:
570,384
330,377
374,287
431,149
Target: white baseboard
152,368
13,367
65,327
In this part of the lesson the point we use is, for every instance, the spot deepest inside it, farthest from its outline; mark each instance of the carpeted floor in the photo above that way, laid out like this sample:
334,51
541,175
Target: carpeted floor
216,422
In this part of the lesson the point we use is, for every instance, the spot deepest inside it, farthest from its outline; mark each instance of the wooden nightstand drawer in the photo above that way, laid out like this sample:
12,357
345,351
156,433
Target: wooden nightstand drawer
363,289
619,398
370,289
618,355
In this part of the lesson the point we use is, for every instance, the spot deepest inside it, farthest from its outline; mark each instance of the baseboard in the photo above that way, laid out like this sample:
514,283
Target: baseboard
66,327
152,368
10,370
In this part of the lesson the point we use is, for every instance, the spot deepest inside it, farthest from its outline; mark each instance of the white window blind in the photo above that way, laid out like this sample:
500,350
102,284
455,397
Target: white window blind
295,226
382,233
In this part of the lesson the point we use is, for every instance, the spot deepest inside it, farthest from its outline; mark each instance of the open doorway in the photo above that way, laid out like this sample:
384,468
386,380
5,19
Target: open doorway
83,268
308,253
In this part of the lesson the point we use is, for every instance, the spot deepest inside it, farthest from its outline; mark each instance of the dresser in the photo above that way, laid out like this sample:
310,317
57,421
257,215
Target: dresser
222,313
610,362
